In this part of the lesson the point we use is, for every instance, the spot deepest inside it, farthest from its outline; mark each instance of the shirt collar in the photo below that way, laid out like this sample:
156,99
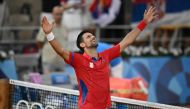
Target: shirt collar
91,58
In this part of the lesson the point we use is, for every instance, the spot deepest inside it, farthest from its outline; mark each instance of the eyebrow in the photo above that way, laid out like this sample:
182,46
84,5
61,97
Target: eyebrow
89,35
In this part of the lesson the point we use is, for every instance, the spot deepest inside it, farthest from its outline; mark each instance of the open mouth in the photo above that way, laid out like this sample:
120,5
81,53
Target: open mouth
93,40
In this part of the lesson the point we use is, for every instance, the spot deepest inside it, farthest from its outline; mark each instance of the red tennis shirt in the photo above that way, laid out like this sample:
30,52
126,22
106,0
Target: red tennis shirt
93,77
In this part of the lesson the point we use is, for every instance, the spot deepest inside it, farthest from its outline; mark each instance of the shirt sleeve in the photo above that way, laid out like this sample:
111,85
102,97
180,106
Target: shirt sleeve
112,52
73,59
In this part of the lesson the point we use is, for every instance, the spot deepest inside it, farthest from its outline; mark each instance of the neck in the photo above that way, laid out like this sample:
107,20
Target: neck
92,52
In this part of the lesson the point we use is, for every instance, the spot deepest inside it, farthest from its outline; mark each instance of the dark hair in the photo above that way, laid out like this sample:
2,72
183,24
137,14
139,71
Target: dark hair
80,39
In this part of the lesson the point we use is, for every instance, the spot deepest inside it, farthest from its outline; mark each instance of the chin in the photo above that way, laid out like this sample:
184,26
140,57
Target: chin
94,46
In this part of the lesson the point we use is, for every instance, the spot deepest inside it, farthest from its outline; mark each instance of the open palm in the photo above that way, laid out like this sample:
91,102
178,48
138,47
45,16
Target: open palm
150,14
46,26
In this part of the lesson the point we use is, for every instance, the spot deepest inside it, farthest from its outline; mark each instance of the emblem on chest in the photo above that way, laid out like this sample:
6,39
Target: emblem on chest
91,65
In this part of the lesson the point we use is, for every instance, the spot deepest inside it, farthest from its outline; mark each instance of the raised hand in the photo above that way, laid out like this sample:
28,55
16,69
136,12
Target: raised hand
46,26
150,14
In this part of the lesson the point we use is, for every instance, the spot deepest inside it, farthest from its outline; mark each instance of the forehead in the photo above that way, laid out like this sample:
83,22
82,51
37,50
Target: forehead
87,34
57,10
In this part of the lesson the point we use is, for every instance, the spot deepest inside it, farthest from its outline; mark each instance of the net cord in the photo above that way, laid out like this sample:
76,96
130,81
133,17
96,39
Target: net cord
113,98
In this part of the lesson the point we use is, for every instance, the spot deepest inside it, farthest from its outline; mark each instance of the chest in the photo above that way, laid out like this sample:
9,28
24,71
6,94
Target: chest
97,68
94,73
101,64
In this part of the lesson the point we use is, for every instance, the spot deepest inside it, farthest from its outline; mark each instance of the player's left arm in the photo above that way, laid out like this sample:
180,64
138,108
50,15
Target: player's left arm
149,16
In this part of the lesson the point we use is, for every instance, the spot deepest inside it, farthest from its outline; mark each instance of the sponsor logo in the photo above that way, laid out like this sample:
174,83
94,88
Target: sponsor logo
91,65
28,105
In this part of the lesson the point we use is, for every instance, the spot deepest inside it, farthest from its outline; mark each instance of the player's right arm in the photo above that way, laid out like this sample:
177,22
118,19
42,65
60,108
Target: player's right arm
47,28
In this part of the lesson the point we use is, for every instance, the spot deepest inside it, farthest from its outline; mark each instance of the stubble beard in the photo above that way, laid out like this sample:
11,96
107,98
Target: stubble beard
94,45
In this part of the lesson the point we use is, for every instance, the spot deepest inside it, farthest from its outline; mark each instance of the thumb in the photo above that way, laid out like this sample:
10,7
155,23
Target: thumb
145,11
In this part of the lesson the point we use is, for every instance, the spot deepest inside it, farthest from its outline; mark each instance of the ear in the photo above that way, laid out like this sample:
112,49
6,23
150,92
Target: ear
82,45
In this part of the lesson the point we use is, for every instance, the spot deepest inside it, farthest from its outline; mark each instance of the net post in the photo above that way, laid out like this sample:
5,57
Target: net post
5,94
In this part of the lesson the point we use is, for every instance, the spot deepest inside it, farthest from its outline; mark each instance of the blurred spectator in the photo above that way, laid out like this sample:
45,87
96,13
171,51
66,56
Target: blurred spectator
186,40
76,4
75,19
162,38
122,17
51,61
105,11
47,6
116,64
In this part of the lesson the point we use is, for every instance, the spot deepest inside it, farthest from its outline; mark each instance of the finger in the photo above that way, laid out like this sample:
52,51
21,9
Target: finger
154,12
145,12
45,19
149,10
42,22
153,9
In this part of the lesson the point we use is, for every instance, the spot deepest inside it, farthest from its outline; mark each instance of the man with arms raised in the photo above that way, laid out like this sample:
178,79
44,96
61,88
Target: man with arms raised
92,68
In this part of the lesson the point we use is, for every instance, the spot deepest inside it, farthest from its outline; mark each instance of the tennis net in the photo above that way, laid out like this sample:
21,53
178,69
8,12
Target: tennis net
26,95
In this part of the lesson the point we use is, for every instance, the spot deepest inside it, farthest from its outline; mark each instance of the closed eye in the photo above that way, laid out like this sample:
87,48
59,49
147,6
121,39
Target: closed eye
88,36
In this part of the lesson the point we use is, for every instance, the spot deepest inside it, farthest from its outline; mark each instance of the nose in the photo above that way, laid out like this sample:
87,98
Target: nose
93,37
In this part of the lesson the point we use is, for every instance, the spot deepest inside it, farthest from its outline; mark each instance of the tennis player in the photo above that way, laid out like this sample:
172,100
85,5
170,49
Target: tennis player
92,68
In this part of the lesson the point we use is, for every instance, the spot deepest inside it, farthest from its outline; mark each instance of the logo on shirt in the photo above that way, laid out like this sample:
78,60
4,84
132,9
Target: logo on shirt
91,65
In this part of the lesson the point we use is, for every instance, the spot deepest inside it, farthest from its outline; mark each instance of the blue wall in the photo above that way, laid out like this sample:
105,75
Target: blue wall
168,78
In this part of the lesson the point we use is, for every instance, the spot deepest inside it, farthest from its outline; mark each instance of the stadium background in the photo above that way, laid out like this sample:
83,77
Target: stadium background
160,58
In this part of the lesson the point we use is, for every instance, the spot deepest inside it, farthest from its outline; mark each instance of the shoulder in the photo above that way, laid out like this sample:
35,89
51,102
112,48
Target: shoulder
77,55
77,59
